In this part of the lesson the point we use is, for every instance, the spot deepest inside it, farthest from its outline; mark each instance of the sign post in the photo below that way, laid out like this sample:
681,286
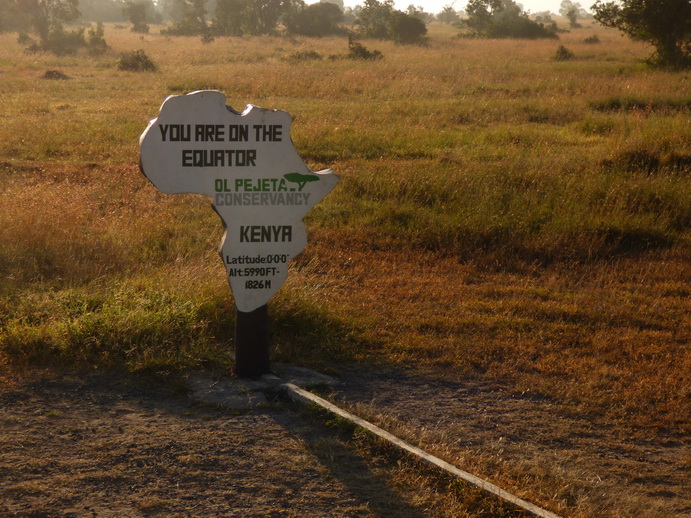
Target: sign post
259,186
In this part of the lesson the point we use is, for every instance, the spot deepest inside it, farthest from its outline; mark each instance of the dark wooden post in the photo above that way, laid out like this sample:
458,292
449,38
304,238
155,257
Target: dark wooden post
252,342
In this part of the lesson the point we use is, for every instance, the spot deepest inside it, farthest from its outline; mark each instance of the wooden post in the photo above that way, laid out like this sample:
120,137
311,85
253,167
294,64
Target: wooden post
252,342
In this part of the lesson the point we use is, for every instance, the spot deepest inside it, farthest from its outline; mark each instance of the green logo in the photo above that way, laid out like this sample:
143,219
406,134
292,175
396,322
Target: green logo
301,179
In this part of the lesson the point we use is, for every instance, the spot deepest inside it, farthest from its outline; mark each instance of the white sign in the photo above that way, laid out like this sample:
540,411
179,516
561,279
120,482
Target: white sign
259,185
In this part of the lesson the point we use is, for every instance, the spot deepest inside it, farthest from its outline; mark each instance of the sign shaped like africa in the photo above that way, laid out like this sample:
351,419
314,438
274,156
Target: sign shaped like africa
259,185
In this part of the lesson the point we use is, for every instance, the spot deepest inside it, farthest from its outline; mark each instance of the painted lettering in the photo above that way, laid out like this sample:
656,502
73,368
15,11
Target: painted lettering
268,133
219,157
260,185
225,198
209,132
238,133
175,132
266,233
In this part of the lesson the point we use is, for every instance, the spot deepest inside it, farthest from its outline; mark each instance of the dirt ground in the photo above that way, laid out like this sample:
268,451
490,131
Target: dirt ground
111,445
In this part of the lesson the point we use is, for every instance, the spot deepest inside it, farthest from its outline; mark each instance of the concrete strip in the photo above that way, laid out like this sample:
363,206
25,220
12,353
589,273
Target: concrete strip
303,396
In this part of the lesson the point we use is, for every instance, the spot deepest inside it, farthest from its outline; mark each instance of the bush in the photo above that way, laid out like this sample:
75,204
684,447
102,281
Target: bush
406,30
307,55
95,43
563,54
54,74
58,42
592,39
25,40
135,61
357,50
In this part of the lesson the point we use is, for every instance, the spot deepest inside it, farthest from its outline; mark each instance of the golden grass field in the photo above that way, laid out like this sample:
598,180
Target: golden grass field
501,215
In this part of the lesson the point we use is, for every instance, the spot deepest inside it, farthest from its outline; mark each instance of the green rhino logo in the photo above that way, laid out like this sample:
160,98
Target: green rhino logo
301,179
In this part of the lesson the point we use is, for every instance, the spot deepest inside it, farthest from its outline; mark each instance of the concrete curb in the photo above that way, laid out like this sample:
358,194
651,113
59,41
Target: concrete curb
303,396
242,395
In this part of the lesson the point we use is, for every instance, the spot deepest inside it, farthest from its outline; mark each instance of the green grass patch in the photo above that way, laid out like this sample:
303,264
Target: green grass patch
640,104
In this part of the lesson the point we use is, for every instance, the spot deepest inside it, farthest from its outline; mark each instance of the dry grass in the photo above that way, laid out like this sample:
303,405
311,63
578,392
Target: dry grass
500,215
487,219
609,338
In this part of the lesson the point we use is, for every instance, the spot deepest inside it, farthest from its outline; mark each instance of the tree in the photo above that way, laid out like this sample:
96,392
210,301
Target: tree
170,10
193,19
320,19
228,17
102,10
95,42
406,29
11,19
262,16
567,6
47,16
373,18
418,12
665,24
543,16
339,3
135,12
380,20
448,15
503,19
254,17
573,12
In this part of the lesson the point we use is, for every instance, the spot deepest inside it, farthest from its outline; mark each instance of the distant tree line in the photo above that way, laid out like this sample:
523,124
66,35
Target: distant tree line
375,19
666,24
503,19
46,19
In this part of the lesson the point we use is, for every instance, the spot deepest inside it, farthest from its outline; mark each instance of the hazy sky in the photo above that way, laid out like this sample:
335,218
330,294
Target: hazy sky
435,6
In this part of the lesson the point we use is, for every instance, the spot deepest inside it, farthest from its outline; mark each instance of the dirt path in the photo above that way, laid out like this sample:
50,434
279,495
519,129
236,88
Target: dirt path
101,445
109,445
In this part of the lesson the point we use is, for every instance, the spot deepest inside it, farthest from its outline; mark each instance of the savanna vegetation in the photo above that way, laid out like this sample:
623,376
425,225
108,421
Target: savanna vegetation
502,214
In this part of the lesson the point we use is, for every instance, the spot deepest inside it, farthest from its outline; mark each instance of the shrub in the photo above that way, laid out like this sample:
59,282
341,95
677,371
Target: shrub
307,55
58,41
405,29
54,74
592,39
563,54
95,43
46,18
357,50
638,161
25,40
135,61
